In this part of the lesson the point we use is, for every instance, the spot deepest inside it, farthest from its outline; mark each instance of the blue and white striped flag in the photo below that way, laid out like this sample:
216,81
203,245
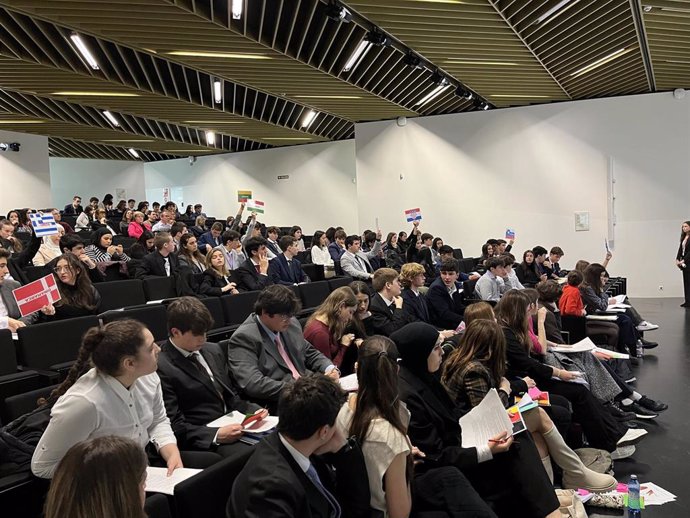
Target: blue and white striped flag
44,224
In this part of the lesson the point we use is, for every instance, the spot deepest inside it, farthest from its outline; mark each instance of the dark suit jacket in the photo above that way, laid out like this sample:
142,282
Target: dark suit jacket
191,400
283,273
273,247
212,284
686,257
384,319
416,305
446,312
19,260
249,280
434,427
206,242
272,485
70,210
256,364
153,264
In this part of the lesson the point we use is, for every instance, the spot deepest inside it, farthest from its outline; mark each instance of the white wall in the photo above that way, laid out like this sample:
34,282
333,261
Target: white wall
319,193
95,178
24,175
531,168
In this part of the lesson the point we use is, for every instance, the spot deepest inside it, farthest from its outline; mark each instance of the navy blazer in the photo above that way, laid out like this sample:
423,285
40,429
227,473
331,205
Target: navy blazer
207,240
416,305
283,273
446,312
249,280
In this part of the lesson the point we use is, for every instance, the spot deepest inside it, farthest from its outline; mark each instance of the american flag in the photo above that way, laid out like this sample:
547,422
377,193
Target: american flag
44,224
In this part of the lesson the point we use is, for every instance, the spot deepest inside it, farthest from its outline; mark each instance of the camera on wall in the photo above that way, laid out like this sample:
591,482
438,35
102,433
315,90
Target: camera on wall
12,146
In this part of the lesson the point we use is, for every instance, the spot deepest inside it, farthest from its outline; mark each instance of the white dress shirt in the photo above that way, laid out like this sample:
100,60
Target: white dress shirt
98,405
321,256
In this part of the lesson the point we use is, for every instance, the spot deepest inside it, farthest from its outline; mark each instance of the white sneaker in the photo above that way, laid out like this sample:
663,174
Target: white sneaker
647,326
622,452
631,437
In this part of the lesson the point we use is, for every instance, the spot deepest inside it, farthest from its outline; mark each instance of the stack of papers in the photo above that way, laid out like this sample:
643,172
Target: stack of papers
158,481
253,432
610,354
655,495
349,383
620,299
488,419
607,318
580,347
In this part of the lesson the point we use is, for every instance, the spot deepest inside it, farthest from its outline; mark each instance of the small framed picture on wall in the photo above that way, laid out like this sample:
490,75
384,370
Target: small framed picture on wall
581,221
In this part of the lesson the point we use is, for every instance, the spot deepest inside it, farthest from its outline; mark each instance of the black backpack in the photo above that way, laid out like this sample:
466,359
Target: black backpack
18,441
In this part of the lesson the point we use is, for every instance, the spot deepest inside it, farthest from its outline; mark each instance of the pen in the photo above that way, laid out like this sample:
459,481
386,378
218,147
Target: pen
500,441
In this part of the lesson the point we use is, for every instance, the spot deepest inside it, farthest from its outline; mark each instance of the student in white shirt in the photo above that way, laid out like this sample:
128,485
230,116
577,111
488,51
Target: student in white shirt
319,252
121,395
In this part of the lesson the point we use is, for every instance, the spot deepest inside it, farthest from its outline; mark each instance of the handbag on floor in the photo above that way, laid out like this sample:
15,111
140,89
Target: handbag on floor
570,505
596,460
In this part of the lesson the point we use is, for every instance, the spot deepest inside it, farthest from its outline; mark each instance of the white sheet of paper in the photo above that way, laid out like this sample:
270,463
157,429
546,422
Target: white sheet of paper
611,354
485,421
620,299
349,383
655,495
158,481
582,346
265,425
606,318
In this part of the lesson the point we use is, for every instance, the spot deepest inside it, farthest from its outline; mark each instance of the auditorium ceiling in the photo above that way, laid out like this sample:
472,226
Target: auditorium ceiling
158,79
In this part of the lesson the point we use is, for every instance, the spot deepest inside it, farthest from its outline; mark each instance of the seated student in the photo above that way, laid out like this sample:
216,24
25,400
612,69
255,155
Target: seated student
188,255
435,248
445,297
253,229
504,247
127,218
418,243
287,477
50,248
296,232
526,271
84,219
11,317
162,262
198,210
252,275
58,219
177,230
394,254
72,243
211,239
381,428
7,239
553,269
487,252
78,297
286,268
326,328
107,474
319,252
337,247
165,222
137,226
100,221
494,283
386,304
356,263
272,236
511,477
217,280
232,249
540,262
143,246
74,208
477,366
196,386
120,395
412,278
269,351
509,262
369,241
24,225
101,248
199,226
362,323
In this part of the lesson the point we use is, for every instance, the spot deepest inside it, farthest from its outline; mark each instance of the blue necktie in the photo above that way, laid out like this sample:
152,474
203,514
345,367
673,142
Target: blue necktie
314,477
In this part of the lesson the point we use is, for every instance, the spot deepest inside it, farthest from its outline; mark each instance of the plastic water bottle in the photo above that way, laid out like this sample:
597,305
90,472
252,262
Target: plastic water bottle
634,498
640,349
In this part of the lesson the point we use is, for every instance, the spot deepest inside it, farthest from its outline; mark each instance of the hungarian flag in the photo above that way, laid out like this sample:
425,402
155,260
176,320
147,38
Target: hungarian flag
243,196
255,206
413,215
33,296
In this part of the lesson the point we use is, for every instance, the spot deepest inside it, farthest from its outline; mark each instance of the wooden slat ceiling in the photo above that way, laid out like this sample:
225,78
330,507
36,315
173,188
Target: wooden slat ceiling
284,58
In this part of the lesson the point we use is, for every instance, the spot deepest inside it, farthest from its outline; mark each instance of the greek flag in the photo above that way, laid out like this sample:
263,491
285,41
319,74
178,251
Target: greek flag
44,224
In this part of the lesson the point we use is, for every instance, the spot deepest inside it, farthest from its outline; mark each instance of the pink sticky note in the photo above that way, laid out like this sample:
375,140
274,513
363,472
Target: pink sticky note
582,492
622,488
534,393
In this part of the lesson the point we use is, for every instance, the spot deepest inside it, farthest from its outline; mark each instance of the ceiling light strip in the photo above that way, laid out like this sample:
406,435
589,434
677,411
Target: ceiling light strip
432,95
600,62
557,9
133,152
84,51
357,56
111,118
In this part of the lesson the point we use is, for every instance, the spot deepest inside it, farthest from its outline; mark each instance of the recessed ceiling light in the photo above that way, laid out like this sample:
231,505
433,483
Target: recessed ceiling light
222,55
210,138
84,51
285,138
308,118
95,94
469,61
128,140
556,11
133,152
20,121
600,62
111,118
328,97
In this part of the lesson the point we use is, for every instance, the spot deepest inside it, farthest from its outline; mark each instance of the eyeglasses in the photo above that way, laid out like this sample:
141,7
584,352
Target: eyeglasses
59,269
284,317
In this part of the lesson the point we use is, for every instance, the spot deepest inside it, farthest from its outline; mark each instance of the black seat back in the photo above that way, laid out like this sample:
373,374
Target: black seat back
238,307
314,271
337,282
125,241
120,294
159,288
33,273
314,293
215,307
8,355
575,327
457,253
16,406
153,316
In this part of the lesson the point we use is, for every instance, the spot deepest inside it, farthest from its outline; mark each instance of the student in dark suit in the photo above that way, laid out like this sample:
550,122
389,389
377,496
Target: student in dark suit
285,268
269,351
162,262
19,259
445,297
253,274
74,208
211,239
412,278
286,478
386,306
196,386
683,261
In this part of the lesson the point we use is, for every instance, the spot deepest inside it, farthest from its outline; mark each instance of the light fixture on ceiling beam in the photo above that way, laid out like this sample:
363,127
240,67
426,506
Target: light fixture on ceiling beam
602,61
442,84
412,60
210,138
237,8
338,13
21,121
374,38
465,93
217,91
308,118
481,105
220,55
111,118
133,152
72,93
556,11
84,50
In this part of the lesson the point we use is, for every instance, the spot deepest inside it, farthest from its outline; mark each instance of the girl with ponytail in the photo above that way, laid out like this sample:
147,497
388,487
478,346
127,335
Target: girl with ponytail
112,389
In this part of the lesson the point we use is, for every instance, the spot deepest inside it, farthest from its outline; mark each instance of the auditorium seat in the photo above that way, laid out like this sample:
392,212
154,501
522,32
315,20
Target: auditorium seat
238,307
313,294
20,404
457,253
337,282
53,346
315,272
153,316
125,241
220,330
33,273
159,288
157,505
119,294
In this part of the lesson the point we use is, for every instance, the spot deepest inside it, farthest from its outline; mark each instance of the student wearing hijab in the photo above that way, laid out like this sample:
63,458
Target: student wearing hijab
512,477
102,249
49,249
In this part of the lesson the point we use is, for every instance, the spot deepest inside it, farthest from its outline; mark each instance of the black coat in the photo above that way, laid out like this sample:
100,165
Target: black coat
153,264
387,319
212,284
249,280
416,305
446,311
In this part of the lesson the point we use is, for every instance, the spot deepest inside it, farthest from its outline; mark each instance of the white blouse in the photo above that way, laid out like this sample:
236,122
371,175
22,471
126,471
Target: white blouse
321,256
98,405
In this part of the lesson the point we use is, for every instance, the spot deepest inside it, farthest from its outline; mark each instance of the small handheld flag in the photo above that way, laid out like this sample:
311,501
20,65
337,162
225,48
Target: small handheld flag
243,196
255,206
44,224
413,215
